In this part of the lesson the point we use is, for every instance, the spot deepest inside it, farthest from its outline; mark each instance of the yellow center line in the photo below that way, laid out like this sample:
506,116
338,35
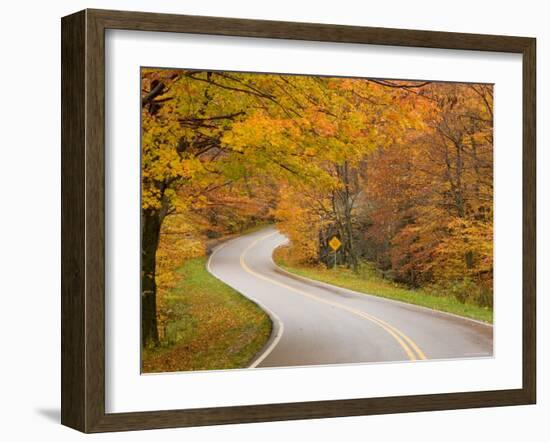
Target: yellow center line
402,339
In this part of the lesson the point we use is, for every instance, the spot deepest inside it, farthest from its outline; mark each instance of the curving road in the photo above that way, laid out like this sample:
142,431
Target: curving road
317,324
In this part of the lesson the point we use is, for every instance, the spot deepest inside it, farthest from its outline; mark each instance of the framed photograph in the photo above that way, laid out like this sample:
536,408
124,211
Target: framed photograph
269,220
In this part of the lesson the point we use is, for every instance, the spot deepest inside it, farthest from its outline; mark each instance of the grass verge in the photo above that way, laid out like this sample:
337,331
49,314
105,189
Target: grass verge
367,281
210,325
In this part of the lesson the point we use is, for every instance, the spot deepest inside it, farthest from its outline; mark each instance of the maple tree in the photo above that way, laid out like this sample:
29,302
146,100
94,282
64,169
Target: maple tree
399,171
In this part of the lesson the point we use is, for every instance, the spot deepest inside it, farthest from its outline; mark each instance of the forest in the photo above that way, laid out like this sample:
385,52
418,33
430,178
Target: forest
400,171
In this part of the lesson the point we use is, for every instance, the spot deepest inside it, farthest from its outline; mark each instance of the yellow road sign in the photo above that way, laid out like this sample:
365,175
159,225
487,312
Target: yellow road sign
334,243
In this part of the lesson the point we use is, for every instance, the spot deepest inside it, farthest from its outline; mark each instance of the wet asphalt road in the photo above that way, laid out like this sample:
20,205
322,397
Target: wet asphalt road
318,324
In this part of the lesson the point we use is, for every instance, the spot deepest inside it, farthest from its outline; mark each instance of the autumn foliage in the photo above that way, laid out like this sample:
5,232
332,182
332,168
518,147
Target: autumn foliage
400,171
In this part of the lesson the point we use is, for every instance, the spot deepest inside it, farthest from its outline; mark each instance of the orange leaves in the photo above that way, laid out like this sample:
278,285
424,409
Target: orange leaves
300,220
431,193
234,149
323,126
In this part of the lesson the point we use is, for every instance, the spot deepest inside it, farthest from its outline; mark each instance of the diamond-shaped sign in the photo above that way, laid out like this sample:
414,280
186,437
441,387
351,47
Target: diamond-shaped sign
334,243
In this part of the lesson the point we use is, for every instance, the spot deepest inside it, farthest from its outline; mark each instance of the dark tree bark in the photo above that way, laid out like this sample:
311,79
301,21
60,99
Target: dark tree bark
150,235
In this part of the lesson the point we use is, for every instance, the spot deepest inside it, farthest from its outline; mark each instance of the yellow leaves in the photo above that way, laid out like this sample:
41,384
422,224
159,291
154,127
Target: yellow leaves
261,131
306,124
287,136
322,125
299,219
467,251
150,198
180,240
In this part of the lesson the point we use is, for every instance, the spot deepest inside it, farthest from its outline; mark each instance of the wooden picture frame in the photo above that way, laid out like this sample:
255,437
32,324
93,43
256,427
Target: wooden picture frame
83,220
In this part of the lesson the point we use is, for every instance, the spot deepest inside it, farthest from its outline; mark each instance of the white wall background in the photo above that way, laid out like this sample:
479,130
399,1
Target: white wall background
30,217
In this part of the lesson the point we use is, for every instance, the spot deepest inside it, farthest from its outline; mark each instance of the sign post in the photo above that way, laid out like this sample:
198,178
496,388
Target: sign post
334,244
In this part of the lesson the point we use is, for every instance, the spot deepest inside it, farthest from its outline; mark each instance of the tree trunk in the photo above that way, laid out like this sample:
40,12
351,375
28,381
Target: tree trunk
150,235
343,207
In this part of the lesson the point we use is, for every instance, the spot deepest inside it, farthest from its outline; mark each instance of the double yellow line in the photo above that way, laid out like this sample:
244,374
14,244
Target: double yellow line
407,344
